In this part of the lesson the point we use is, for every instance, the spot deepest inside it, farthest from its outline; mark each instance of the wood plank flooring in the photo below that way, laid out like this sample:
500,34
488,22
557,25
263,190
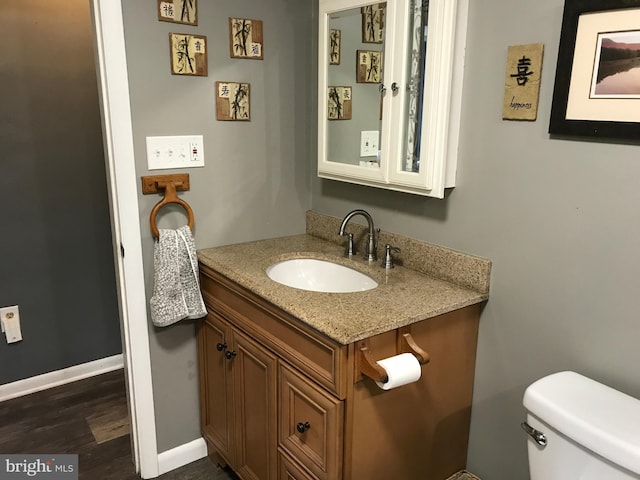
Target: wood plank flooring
88,417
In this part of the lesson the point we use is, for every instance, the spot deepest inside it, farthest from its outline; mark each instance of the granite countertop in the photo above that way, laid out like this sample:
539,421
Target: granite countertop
404,296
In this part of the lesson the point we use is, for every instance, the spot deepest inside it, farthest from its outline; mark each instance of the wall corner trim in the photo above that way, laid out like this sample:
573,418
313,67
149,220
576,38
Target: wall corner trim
181,455
60,377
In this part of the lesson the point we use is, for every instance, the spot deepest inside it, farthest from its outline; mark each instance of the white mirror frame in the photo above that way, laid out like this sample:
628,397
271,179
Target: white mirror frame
443,93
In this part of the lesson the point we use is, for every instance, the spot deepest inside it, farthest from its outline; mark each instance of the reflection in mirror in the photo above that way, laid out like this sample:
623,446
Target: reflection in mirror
356,45
418,45
362,30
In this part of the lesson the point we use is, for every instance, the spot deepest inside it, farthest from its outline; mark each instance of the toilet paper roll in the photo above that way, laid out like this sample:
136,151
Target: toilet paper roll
401,370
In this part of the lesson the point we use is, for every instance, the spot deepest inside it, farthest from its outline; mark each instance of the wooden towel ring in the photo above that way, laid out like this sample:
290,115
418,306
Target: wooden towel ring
170,196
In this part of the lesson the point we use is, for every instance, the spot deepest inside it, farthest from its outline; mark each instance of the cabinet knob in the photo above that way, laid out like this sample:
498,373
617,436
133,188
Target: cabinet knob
303,427
230,355
221,346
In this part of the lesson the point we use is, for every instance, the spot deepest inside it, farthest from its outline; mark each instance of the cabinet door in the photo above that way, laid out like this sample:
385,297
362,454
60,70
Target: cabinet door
289,470
254,374
311,425
216,394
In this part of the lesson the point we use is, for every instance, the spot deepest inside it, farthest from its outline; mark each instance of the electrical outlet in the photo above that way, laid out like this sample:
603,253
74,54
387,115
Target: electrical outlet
369,141
194,150
10,319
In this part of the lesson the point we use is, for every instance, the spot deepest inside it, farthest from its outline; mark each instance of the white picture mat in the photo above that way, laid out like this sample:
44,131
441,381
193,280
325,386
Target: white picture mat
579,105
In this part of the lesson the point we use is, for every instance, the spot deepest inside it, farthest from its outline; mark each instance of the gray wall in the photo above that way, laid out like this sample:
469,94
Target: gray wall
558,217
256,179
56,256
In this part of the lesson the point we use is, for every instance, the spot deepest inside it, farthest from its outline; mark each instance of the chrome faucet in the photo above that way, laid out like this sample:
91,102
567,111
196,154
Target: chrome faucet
372,241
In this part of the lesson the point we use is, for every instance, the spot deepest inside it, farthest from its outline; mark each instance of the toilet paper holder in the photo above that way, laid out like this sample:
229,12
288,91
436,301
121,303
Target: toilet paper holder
366,365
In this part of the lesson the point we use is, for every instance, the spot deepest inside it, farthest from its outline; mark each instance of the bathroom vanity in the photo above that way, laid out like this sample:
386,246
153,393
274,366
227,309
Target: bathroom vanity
282,391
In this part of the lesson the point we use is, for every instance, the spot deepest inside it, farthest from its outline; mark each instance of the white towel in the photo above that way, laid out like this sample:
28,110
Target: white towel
176,286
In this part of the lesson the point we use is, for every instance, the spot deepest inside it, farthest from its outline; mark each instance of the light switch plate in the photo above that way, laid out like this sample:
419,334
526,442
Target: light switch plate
184,151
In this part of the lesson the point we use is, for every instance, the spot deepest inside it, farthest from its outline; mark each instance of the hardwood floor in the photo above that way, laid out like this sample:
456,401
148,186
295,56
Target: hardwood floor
89,418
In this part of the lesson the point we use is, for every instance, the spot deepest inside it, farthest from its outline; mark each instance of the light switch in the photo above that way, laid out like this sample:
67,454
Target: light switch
175,152
369,142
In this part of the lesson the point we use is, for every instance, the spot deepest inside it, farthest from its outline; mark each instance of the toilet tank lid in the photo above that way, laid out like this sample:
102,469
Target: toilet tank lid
593,415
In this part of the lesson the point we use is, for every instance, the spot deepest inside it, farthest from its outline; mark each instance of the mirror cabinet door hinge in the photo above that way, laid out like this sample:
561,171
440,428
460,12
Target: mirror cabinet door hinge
121,250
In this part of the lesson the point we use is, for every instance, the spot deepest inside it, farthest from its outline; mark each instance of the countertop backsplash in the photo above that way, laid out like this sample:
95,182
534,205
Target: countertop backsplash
460,268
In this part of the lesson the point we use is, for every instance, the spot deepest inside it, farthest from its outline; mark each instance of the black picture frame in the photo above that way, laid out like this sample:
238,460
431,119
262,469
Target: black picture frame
559,124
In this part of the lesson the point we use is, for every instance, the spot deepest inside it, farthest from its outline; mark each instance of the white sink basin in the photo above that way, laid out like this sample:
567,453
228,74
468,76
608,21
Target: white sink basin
319,276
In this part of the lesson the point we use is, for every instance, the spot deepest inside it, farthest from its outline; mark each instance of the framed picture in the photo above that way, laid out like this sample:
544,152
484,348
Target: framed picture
188,54
597,86
368,66
178,11
233,101
245,38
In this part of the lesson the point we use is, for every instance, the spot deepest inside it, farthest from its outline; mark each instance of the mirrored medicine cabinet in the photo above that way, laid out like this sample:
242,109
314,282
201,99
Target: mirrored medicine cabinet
389,92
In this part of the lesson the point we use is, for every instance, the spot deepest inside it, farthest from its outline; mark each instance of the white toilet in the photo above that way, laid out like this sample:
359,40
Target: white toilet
580,429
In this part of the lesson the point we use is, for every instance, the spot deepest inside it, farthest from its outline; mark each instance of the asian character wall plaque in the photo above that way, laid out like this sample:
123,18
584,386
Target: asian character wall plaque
373,23
233,101
178,11
339,103
245,38
188,54
522,82
368,66
335,43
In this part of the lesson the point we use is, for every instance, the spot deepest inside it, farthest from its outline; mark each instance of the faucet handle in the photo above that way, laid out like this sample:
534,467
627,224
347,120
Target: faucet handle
388,257
350,248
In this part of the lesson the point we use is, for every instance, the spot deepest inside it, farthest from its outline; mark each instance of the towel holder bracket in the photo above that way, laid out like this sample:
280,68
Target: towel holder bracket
158,183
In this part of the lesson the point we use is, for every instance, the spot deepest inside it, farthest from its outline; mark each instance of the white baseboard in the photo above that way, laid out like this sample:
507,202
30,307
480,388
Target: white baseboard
181,455
60,377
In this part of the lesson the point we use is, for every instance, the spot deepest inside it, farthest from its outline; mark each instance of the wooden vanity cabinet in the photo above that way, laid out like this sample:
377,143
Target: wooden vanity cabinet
280,400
